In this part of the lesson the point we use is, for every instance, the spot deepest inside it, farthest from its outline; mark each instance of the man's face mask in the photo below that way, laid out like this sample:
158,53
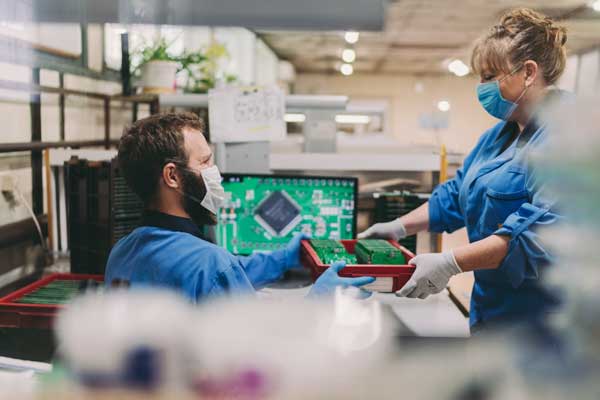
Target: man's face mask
203,194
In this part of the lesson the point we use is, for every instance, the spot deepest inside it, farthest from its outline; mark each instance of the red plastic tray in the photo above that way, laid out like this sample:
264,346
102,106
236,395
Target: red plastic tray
39,316
389,278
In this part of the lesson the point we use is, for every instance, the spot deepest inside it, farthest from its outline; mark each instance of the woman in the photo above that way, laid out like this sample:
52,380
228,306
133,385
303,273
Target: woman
495,194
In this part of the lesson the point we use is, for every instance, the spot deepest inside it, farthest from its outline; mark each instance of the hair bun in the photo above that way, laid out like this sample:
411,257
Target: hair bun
557,35
523,18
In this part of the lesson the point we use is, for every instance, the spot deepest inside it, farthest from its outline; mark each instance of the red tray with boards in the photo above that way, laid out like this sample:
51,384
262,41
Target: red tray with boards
389,278
38,316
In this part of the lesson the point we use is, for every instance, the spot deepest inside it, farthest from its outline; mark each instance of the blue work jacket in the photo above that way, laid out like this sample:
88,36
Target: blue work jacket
168,252
497,192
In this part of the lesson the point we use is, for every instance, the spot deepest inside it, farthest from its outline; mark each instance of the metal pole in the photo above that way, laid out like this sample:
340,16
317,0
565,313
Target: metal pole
37,191
38,146
107,123
61,106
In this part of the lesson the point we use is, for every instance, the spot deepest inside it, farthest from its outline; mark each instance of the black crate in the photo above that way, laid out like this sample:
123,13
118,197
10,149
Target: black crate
101,209
389,206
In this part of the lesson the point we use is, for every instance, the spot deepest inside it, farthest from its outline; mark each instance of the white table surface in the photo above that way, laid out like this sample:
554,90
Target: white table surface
435,316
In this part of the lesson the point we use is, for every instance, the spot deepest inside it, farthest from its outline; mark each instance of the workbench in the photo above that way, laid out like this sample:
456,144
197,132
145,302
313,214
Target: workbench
436,316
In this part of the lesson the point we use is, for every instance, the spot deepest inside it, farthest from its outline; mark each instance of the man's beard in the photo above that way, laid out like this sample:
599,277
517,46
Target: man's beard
194,191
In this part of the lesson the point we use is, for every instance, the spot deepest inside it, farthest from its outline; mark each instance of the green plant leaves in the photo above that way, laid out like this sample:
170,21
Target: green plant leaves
201,66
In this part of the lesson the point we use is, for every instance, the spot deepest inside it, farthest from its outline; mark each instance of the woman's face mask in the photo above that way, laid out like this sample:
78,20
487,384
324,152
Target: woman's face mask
491,99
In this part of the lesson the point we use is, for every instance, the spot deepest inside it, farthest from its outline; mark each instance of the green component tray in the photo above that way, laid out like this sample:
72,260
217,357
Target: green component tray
56,292
378,251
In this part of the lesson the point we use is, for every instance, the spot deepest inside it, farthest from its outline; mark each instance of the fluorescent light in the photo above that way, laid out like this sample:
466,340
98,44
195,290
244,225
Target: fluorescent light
458,68
351,37
347,69
294,117
419,87
595,5
443,106
348,55
352,119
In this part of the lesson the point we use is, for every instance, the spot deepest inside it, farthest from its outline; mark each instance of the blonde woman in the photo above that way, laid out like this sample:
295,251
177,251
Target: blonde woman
495,194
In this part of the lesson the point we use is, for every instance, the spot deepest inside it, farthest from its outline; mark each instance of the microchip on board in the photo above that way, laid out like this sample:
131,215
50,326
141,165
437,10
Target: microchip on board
278,213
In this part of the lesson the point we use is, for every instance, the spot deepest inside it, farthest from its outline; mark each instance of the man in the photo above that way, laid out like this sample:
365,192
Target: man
167,162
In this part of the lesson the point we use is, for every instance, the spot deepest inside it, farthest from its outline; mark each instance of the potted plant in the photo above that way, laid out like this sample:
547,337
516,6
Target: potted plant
157,67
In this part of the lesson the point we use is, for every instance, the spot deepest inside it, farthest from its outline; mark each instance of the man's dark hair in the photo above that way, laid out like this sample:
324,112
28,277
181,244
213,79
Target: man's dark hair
150,143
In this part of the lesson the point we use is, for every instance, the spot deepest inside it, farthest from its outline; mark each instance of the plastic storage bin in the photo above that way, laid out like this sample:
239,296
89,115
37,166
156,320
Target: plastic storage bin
14,314
389,278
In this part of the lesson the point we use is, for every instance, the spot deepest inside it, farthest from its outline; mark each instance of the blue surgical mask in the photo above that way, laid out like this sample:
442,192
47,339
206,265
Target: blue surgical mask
491,99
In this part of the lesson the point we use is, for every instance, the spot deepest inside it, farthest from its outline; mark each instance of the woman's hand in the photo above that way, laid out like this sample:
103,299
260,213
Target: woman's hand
415,221
432,273
394,230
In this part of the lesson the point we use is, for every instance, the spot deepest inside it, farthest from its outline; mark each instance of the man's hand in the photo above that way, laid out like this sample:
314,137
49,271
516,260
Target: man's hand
292,250
329,280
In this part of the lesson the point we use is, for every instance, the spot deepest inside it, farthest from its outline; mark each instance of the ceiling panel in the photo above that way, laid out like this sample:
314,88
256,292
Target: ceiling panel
420,35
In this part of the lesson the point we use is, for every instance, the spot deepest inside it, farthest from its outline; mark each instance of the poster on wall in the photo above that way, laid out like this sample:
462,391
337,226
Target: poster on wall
246,114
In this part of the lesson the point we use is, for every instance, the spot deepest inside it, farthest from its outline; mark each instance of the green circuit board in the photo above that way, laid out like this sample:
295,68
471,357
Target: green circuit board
330,251
378,251
262,213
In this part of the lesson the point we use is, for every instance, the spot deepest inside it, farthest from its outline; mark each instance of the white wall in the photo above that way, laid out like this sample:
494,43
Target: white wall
467,120
266,69
84,118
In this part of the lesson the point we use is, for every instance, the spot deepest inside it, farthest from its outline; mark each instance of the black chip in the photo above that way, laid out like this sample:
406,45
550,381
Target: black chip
277,211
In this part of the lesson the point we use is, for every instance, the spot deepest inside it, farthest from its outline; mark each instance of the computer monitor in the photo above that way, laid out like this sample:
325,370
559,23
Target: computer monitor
262,212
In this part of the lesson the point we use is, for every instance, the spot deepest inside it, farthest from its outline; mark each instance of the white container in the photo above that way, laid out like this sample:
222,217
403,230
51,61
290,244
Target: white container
159,76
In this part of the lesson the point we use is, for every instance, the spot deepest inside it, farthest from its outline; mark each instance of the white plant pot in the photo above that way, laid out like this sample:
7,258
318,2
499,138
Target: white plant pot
159,76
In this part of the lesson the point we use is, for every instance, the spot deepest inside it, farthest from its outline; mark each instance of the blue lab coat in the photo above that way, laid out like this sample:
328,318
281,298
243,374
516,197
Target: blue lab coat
169,252
497,191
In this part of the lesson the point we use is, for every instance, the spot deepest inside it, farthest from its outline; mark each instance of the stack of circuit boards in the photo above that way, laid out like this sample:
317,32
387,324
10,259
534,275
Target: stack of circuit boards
55,292
330,251
378,251
370,251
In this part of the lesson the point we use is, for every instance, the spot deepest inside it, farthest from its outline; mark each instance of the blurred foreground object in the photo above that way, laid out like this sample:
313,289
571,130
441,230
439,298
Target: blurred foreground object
155,342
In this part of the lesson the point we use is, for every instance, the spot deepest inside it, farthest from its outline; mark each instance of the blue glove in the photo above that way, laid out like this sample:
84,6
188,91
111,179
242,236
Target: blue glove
329,280
292,250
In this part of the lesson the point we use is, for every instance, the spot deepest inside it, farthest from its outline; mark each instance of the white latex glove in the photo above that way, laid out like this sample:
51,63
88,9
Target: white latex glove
394,230
432,273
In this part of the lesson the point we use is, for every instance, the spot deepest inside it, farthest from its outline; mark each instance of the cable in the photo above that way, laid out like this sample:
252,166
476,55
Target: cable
35,220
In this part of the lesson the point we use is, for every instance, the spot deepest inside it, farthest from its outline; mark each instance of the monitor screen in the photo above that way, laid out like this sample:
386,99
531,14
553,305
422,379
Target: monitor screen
262,212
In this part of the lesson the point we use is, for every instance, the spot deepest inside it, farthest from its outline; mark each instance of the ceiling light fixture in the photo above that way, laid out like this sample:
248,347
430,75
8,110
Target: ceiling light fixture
352,119
348,55
351,37
297,118
443,106
347,69
458,68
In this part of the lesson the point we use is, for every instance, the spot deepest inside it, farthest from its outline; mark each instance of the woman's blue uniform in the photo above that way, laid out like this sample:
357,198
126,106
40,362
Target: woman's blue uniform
497,191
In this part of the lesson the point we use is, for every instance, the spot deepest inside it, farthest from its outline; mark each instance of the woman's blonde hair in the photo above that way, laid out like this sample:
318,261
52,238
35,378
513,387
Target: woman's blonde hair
522,34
